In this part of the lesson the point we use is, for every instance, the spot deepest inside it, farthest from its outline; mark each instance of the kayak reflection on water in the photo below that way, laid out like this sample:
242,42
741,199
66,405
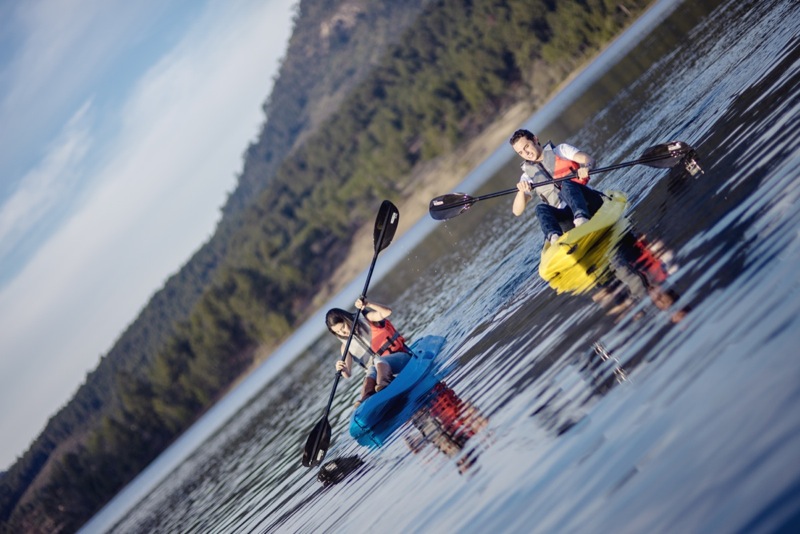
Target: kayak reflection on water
447,422
640,267
619,265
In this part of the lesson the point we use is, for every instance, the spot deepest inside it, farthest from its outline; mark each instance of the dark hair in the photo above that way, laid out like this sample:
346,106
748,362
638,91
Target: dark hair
337,315
519,134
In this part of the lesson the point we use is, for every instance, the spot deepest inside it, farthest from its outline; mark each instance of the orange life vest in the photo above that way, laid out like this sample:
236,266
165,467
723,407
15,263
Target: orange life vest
386,339
558,167
563,167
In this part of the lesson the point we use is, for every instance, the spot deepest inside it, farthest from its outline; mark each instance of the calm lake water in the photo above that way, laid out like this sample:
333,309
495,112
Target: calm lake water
600,412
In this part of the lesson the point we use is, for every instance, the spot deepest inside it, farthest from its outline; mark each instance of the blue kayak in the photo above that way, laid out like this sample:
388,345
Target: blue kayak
382,413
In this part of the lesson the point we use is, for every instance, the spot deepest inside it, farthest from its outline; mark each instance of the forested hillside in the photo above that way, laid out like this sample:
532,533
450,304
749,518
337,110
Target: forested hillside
339,136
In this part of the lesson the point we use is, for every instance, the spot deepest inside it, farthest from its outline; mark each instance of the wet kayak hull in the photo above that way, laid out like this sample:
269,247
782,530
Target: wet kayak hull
385,411
581,258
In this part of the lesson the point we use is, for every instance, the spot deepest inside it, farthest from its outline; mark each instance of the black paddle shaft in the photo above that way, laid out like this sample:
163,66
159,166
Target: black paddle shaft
319,439
387,220
661,156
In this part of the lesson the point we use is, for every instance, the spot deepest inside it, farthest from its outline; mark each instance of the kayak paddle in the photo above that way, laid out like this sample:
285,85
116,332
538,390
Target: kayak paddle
663,156
320,438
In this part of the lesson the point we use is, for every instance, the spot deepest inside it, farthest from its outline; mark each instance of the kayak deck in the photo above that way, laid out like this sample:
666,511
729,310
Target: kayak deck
581,257
382,413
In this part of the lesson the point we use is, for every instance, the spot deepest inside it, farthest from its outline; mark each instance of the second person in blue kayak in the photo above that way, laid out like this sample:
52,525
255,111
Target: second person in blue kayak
377,345
568,203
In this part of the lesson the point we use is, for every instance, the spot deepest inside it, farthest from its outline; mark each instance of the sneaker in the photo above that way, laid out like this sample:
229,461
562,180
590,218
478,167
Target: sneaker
579,221
554,238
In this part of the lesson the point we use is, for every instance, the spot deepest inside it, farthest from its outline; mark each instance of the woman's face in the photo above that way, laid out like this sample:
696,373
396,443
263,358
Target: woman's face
341,329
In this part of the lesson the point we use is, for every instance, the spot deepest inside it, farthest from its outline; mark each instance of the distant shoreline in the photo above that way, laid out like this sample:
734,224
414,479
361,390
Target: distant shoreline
443,174
436,178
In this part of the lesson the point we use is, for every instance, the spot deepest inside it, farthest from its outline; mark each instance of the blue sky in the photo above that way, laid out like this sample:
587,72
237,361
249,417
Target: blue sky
124,126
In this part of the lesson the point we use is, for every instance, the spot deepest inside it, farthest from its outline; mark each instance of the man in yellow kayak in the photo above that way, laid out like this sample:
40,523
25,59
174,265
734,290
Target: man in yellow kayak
569,203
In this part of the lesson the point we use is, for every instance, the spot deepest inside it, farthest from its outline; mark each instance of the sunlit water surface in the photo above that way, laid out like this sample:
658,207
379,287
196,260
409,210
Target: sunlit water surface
580,417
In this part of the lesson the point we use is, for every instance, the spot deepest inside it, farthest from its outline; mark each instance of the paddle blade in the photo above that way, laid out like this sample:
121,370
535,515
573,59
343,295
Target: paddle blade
449,206
317,444
667,155
385,225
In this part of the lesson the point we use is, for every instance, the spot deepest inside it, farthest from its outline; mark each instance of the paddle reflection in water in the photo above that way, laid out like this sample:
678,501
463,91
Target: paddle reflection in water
620,375
334,471
447,423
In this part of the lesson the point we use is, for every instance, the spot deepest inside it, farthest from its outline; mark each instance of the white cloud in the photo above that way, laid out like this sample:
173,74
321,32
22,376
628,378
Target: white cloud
153,201
65,48
42,188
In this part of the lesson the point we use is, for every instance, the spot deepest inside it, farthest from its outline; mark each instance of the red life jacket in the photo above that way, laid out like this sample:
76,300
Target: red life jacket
385,338
555,166
563,167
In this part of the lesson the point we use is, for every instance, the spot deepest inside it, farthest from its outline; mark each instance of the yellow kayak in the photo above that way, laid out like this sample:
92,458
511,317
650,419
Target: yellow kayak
580,258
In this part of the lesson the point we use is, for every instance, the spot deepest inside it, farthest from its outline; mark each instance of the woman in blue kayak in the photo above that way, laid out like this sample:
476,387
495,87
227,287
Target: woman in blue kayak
377,345
569,203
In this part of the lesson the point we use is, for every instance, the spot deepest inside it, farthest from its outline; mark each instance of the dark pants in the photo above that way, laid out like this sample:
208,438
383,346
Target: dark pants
581,201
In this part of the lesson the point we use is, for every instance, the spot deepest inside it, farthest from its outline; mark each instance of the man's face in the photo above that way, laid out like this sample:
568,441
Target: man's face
527,149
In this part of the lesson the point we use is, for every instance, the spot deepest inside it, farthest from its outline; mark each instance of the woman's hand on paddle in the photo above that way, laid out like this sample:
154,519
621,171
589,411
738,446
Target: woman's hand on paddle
524,186
342,367
372,310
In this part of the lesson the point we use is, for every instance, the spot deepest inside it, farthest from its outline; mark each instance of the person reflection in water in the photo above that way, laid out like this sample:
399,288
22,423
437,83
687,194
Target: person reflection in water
447,422
639,270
